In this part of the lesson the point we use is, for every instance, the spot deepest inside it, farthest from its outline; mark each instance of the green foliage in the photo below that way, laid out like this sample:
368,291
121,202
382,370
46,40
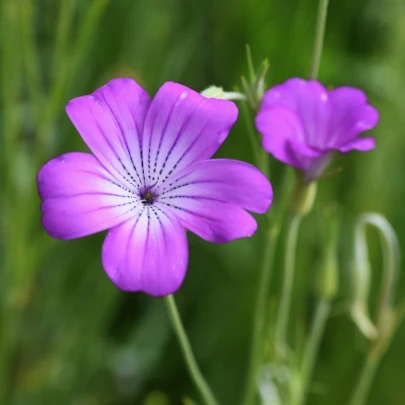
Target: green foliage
67,335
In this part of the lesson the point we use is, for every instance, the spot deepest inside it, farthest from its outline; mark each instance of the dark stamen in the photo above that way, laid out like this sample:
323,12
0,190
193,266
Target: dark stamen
147,198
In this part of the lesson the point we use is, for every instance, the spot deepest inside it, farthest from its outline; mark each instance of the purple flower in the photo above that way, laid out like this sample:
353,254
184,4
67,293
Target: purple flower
304,125
148,179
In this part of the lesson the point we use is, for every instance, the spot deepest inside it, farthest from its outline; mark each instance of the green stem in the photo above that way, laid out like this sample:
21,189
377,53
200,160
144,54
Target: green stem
188,355
64,25
252,73
312,347
265,163
366,378
285,301
10,99
319,36
31,60
256,353
253,138
387,316
276,216
68,69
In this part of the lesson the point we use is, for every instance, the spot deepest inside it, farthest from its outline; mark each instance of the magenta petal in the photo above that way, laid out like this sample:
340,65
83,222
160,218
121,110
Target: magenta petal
147,253
281,128
183,127
361,144
307,156
212,220
295,94
351,115
309,100
80,197
224,180
303,123
111,122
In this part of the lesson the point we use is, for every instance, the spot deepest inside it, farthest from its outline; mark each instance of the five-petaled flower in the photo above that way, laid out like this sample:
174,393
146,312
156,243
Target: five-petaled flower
149,178
304,125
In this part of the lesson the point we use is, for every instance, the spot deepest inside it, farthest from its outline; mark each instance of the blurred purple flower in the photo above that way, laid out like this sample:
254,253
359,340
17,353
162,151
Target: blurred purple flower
149,177
303,124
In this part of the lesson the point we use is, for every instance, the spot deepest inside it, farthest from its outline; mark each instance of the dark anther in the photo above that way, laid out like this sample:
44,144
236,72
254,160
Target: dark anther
147,198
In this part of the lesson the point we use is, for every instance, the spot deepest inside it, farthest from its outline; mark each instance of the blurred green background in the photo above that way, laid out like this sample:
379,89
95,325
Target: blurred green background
67,335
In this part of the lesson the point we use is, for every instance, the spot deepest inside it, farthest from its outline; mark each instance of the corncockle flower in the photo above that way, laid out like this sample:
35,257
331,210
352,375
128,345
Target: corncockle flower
150,178
304,125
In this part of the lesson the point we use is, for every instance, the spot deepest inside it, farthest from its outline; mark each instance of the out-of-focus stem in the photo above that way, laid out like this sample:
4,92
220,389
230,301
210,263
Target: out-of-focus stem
10,88
387,316
253,138
289,267
256,354
312,347
252,74
64,25
264,163
319,36
188,355
260,315
66,72
31,59
366,378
